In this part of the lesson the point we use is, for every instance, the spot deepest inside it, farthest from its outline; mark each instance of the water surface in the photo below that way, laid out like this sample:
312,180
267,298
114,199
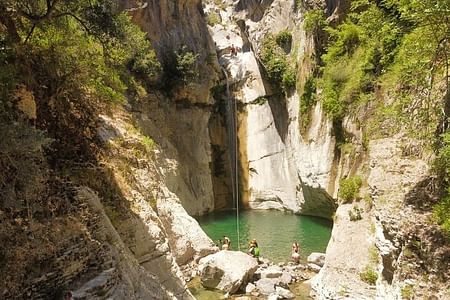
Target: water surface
275,231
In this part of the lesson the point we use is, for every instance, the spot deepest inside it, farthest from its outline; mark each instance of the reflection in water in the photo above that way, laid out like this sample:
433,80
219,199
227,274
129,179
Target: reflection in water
274,230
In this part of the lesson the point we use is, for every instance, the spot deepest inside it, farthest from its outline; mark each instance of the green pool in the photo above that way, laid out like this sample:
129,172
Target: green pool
275,231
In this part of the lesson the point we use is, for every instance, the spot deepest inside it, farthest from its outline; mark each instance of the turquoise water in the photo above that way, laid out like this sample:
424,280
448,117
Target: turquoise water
275,231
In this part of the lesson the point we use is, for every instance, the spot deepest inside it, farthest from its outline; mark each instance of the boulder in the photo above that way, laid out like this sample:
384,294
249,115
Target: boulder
250,288
272,272
273,297
186,238
316,258
266,285
314,267
284,293
286,278
227,270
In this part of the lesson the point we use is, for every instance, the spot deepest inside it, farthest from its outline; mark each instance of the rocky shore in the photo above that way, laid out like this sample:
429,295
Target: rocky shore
236,275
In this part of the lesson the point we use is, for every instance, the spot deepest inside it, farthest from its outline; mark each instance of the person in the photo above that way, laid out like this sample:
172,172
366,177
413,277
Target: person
295,253
68,296
253,249
226,243
233,50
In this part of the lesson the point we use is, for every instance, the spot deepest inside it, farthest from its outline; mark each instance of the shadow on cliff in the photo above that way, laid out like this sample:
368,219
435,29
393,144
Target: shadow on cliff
426,248
66,242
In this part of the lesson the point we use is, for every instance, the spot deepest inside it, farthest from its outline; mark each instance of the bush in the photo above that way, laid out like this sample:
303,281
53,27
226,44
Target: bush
308,97
369,276
407,292
284,39
349,188
186,64
355,213
289,79
276,64
213,18
441,213
315,20
146,64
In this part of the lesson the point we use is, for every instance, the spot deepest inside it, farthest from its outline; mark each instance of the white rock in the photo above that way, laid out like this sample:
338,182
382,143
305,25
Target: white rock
250,288
284,293
314,267
227,270
266,285
272,272
273,297
286,278
187,240
316,258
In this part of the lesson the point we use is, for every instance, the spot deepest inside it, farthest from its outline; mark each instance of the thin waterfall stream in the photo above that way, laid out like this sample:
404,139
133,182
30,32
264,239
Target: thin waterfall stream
233,142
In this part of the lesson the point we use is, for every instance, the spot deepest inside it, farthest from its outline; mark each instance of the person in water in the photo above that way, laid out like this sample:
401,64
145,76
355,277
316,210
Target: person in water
226,243
295,253
253,250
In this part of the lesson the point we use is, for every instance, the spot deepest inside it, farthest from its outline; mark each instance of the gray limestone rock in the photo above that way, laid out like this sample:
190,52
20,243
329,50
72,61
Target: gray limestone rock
227,270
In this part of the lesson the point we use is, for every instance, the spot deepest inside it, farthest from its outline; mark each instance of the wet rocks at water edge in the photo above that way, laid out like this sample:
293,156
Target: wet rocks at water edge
316,258
237,272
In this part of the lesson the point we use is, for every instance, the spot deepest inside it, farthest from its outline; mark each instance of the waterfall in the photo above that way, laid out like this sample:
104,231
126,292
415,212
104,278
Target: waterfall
233,142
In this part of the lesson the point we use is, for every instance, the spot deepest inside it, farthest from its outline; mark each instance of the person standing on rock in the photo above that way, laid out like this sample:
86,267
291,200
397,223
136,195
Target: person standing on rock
295,253
254,249
226,243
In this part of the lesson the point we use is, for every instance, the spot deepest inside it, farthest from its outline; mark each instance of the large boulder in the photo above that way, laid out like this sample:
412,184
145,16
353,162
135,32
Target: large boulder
187,240
272,272
227,270
316,258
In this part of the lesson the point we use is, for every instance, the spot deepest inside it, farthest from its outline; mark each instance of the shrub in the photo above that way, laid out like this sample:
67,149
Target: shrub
355,213
368,275
146,64
275,62
407,292
213,18
284,39
314,20
308,97
349,188
289,79
441,213
186,64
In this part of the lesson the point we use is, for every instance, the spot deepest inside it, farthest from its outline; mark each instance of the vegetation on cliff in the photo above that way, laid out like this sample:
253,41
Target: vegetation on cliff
61,64
387,63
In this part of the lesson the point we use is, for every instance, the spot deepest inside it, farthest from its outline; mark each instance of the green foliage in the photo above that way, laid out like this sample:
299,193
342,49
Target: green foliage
148,143
186,64
276,63
355,213
407,292
180,67
308,97
77,47
289,78
441,213
349,188
368,275
213,18
315,20
395,44
284,39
